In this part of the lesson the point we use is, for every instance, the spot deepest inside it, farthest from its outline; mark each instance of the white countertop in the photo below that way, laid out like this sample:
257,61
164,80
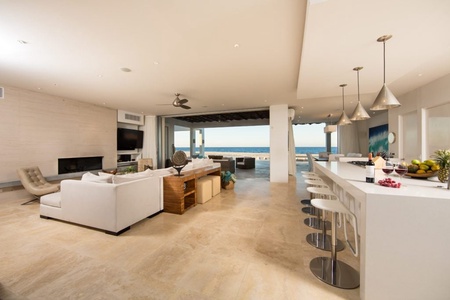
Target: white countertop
355,175
404,232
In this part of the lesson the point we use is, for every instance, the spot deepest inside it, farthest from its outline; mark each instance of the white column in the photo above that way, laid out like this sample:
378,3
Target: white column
150,139
279,120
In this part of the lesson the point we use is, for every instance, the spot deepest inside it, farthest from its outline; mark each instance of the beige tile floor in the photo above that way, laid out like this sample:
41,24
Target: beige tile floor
246,243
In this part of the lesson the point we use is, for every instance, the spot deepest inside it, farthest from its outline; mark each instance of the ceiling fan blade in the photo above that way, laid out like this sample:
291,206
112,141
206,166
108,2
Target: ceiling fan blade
185,106
183,101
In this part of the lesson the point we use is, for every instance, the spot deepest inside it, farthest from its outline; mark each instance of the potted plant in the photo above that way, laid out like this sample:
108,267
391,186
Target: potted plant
228,180
442,158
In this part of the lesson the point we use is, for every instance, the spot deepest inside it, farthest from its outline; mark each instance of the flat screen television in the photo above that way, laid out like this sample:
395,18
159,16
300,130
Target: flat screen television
129,139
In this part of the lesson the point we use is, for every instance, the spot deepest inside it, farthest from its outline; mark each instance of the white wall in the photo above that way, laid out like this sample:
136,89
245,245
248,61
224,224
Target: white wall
417,101
279,122
37,129
354,138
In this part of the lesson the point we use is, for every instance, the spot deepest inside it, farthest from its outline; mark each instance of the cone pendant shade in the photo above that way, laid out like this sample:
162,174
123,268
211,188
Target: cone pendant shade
359,113
385,100
343,120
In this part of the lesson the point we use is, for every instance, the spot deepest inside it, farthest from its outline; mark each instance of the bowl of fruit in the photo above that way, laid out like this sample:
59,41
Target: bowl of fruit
427,168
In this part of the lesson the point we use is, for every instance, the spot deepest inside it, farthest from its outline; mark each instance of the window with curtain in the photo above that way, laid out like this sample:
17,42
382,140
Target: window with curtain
410,134
438,128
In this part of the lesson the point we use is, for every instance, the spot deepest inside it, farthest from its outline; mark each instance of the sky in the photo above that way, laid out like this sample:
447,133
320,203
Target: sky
256,136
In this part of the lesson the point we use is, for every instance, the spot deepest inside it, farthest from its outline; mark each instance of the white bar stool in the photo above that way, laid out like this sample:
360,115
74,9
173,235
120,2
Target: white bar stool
308,172
307,202
322,240
315,222
329,269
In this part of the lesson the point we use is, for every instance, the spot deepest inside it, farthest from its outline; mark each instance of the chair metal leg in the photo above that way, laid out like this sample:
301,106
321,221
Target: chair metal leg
32,200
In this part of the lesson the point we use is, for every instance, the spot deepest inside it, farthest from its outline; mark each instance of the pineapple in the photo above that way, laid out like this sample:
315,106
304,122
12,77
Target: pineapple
442,158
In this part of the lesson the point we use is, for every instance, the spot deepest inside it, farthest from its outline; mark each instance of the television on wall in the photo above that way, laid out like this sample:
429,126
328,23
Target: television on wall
129,139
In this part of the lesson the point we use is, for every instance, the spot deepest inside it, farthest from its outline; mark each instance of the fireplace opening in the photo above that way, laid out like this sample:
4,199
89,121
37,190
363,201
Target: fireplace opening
79,164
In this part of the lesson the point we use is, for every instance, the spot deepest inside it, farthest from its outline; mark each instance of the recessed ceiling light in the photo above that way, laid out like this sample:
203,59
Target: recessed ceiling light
236,45
22,42
156,63
125,70
100,75
420,74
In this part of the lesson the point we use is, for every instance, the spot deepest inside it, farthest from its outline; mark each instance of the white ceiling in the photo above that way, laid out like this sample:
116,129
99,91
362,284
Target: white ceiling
290,52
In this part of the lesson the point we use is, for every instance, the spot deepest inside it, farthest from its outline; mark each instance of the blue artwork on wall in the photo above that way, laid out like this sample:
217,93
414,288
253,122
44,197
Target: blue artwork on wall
378,139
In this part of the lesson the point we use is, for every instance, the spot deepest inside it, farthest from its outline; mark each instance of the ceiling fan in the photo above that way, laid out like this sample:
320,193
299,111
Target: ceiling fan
180,102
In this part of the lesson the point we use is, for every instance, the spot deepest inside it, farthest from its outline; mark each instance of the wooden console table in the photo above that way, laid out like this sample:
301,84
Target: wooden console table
180,191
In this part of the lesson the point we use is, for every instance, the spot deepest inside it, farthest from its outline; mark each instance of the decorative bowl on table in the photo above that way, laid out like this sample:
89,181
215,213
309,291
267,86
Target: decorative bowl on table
423,175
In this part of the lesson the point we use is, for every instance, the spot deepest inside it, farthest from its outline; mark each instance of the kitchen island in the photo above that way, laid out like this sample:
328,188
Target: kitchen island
404,232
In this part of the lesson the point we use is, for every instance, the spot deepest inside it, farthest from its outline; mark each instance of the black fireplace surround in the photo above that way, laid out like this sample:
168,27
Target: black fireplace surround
79,164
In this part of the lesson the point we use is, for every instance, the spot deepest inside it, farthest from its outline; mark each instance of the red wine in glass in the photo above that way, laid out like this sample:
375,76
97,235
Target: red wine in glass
388,170
401,171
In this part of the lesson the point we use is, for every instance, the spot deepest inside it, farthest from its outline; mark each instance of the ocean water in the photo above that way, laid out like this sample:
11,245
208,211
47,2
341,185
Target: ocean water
298,150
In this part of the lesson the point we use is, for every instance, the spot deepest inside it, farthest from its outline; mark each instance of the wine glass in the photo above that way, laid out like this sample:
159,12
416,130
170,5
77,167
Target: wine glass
401,169
388,168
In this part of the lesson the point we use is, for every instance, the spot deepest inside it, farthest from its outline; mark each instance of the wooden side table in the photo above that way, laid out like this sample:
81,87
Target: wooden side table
179,193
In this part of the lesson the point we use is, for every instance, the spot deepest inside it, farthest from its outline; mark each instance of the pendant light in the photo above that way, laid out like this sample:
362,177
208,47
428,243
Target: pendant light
359,113
343,120
385,98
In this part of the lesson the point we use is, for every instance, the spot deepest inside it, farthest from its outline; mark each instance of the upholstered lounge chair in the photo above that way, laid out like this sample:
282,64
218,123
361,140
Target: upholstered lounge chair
245,162
34,183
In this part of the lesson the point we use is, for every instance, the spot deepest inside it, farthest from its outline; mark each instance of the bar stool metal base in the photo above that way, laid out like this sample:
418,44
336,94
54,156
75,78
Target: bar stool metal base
310,210
334,272
316,223
317,240
306,202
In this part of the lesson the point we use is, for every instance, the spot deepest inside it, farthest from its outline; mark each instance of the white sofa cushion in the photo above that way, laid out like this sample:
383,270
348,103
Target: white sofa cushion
128,177
53,199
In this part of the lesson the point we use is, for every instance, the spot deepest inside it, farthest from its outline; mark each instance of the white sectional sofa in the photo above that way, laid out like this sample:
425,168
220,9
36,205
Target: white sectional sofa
110,203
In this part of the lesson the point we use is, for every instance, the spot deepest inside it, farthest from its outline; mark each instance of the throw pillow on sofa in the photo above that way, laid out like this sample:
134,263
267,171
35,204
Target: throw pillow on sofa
95,178
108,176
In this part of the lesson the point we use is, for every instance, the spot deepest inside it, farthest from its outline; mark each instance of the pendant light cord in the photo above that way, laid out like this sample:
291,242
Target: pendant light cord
343,99
357,75
384,62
